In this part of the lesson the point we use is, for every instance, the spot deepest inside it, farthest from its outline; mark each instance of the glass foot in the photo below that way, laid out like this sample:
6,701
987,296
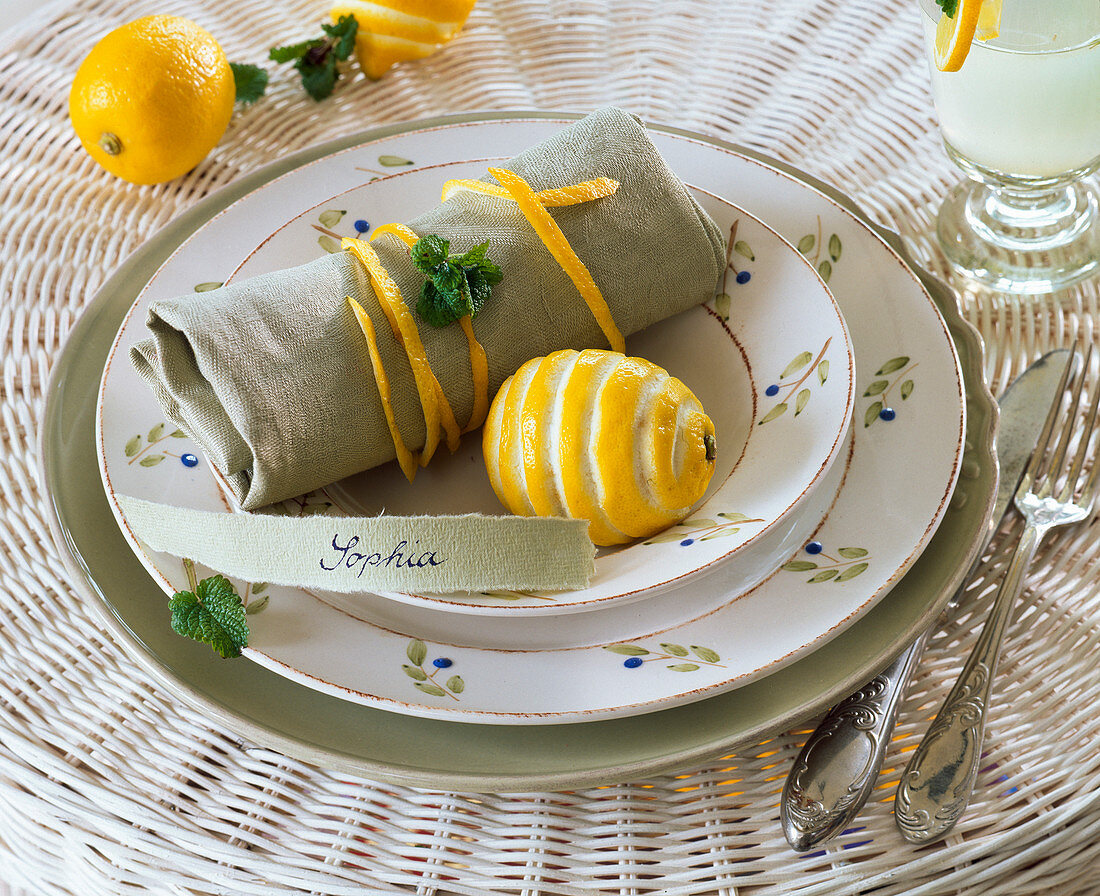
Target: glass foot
1022,241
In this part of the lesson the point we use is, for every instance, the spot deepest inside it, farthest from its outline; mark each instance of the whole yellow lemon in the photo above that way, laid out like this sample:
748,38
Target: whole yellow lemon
152,98
599,436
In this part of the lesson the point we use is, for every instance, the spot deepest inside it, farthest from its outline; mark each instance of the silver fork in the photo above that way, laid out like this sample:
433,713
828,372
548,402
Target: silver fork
936,785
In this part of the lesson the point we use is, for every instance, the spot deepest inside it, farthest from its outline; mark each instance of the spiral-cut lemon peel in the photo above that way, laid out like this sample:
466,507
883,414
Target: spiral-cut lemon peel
479,361
404,329
438,414
405,458
554,240
479,371
585,191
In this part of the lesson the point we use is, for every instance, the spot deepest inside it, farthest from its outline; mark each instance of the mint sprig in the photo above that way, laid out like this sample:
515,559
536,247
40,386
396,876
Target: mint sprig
250,81
456,285
211,612
316,59
949,7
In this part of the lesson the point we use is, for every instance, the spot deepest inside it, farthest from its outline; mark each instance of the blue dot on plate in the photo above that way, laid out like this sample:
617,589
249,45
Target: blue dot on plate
814,547
632,662
442,662
772,390
362,225
687,541
743,277
189,460
887,413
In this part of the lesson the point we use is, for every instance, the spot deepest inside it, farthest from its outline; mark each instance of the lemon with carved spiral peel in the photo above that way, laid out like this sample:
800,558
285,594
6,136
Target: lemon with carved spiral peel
152,98
600,436
393,31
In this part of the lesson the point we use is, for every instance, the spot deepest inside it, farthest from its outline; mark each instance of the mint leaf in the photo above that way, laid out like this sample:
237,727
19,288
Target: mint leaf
291,51
316,59
250,80
319,80
439,307
213,614
477,257
430,252
455,285
480,289
949,7
342,35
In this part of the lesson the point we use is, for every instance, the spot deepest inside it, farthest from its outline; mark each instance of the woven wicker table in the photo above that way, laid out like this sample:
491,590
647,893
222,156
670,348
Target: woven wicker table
109,784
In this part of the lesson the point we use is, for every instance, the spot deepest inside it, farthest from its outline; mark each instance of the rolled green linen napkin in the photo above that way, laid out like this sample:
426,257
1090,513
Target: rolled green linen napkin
271,376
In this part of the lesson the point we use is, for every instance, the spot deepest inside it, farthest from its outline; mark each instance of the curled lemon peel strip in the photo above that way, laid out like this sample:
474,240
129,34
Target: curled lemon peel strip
554,240
403,233
585,191
437,415
479,369
405,458
479,361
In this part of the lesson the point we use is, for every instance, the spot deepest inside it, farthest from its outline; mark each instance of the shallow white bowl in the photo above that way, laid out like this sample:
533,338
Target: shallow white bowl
773,311
770,359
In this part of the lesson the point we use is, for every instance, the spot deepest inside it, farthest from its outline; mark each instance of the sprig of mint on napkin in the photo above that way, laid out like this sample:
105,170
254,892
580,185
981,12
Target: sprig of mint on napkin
316,59
457,285
211,612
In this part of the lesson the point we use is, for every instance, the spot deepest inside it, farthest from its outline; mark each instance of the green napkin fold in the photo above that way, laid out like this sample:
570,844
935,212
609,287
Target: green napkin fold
271,376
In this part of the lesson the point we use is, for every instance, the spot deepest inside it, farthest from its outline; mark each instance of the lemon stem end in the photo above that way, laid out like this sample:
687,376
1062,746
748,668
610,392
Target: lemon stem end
711,446
110,144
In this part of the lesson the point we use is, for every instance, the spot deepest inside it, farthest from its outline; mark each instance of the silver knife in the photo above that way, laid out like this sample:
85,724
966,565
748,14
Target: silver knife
839,764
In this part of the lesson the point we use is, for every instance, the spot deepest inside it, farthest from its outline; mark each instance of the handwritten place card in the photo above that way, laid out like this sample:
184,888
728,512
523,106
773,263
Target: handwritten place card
423,554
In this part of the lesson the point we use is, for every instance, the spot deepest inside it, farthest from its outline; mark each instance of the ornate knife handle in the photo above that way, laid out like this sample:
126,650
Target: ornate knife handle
838,766
936,785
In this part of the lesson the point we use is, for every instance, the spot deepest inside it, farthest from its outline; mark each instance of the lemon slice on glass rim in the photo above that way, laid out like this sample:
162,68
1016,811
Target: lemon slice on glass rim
954,34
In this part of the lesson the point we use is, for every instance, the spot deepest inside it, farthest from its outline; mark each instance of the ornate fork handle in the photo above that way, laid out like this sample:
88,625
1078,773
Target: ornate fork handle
936,785
839,765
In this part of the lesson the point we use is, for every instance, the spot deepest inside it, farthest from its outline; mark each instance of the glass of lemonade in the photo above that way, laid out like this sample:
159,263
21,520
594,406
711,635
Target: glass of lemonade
1021,118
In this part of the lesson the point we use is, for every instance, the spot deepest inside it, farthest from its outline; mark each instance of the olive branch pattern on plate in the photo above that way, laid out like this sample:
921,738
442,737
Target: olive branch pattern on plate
741,276
329,240
696,656
793,379
849,563
893,374
699,529
139,449
519,595
812,244
425,681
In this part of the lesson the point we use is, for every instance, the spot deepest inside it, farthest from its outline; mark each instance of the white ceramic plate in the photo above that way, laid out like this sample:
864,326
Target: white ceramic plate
785,334
619,662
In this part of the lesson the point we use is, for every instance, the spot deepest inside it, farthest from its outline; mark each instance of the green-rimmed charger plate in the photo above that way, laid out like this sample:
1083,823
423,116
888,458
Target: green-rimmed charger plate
276,712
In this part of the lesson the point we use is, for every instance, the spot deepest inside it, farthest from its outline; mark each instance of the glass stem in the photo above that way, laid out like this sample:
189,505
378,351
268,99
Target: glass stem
1029,219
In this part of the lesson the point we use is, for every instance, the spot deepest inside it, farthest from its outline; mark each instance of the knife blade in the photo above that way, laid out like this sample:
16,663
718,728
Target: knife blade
837,768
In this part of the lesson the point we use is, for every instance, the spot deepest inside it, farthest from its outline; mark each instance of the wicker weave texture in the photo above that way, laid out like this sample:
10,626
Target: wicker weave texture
108,785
